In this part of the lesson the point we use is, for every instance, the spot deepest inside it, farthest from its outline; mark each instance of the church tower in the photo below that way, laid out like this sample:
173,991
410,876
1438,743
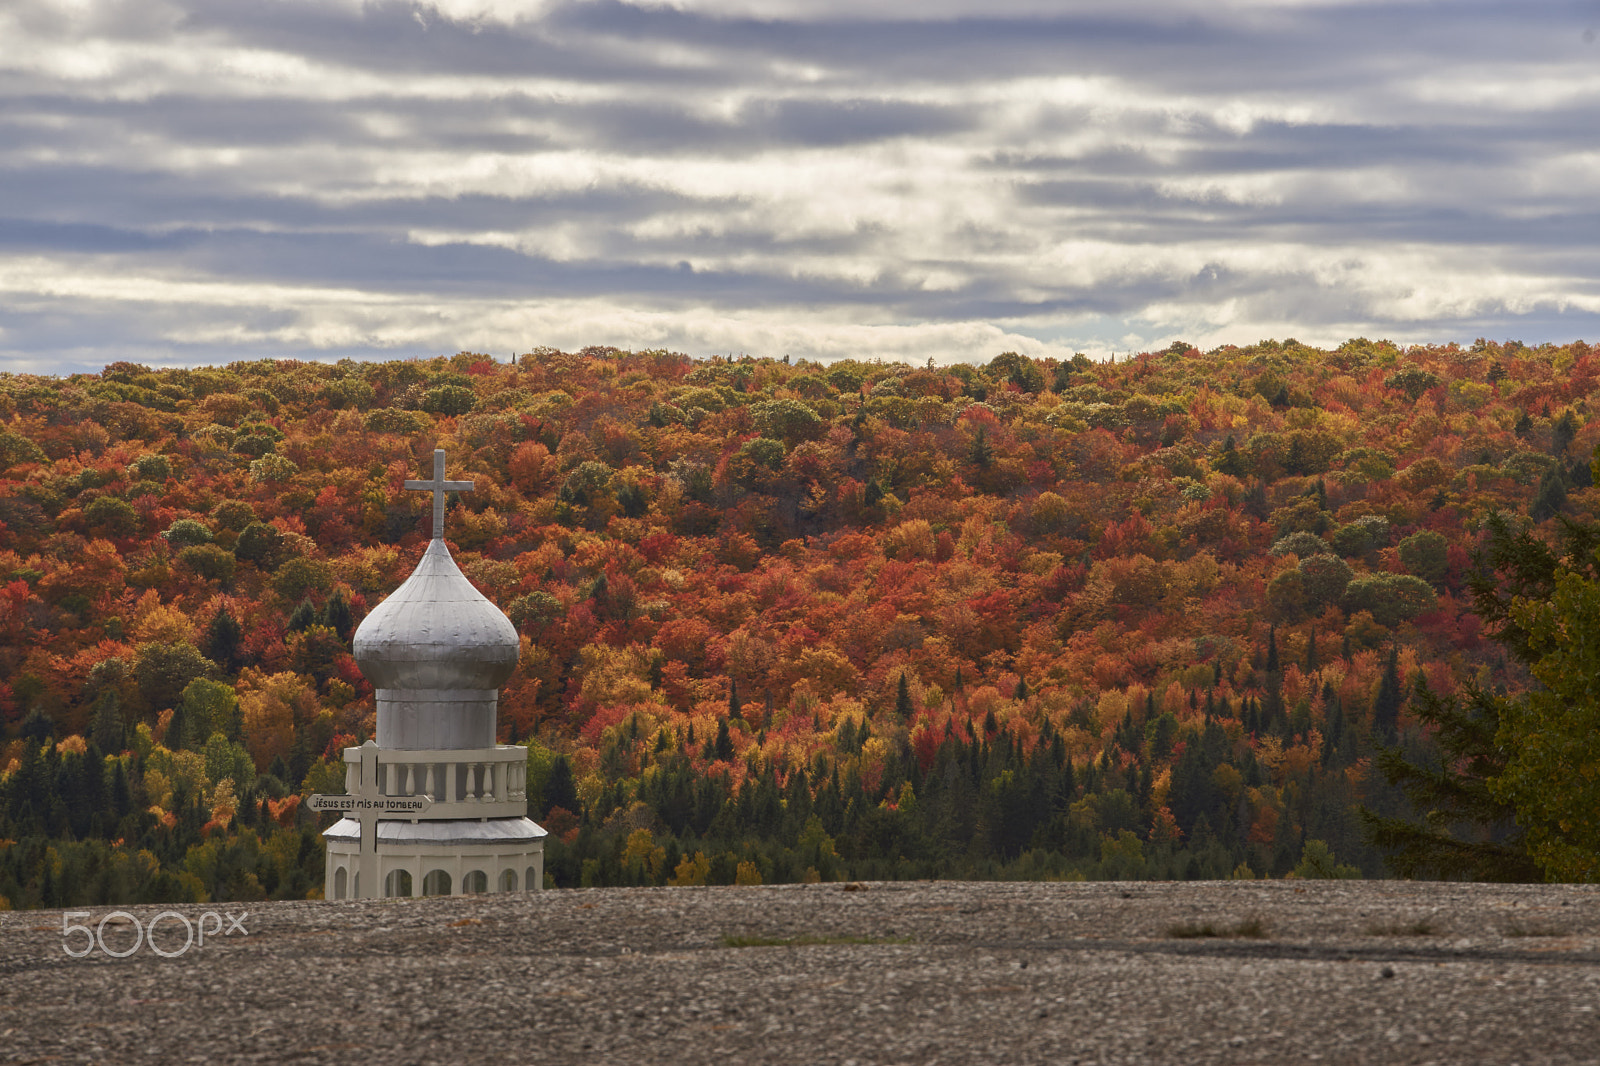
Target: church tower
434,807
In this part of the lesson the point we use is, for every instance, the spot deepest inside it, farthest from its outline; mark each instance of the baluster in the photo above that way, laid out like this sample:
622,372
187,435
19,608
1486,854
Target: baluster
450,782
427,780
405,779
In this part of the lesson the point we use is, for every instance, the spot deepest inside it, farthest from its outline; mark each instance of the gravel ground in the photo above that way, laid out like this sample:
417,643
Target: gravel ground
931,972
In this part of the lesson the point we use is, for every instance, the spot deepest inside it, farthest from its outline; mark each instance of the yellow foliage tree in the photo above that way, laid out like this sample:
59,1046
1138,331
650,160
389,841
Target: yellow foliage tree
693,870
273,704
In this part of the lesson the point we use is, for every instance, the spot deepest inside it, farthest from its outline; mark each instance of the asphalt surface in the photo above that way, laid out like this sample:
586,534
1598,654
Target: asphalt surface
1380,972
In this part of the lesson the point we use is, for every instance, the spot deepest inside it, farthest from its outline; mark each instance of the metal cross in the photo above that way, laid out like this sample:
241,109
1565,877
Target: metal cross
439,486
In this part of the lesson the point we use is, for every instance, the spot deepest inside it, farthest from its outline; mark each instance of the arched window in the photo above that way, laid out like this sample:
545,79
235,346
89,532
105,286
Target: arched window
476,881
341,879
436,883
531,881
398,883
508,880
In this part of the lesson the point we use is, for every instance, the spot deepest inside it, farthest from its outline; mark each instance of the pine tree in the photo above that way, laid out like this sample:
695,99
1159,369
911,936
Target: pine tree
108,732
1311,652
981,452
902,700
735,708
1332,721
1229,461
337,616
1273,713
300,759
177,737
559,789
1562,432
222,641
120,799
723,748
1552,495
1386,708
303,617
1452,794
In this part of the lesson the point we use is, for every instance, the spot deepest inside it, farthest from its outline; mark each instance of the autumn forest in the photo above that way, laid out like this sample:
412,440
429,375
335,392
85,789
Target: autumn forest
1153,618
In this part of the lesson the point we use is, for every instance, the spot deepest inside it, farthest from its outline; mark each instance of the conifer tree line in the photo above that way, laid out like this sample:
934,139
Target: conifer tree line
1242,613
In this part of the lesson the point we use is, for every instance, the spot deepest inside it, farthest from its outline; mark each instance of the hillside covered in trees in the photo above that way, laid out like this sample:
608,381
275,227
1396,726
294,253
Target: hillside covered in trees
780,622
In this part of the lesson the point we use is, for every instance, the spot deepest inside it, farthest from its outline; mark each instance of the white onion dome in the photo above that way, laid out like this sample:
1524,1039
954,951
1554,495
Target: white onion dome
436,631
437,651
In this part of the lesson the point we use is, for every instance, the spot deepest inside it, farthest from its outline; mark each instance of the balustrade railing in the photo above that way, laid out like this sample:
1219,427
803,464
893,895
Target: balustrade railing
469,783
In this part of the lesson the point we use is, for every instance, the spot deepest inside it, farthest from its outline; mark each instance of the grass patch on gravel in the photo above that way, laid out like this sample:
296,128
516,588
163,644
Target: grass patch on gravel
807,941
1532,930
1249,929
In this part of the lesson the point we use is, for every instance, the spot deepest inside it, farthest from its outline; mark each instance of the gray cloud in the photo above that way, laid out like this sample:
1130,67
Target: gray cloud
307,177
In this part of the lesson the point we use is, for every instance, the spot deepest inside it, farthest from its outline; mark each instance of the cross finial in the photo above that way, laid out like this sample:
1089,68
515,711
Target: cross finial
439,486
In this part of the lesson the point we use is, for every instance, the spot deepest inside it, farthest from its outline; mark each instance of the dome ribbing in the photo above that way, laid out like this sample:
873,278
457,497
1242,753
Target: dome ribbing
436,632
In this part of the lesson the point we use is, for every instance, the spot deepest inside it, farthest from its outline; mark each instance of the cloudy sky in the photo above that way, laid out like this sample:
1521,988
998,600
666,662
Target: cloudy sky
197,181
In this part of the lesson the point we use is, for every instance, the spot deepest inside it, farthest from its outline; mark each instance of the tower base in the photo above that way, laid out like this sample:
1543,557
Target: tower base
437,858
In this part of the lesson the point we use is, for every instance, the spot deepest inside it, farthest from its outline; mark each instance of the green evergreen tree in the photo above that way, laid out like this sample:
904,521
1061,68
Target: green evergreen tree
338,616
903,708
303,617
1391,695
222,640
1274,717
178,731
560,790
981,452
1463,831
1551,497
108,731
119,800
1562,433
